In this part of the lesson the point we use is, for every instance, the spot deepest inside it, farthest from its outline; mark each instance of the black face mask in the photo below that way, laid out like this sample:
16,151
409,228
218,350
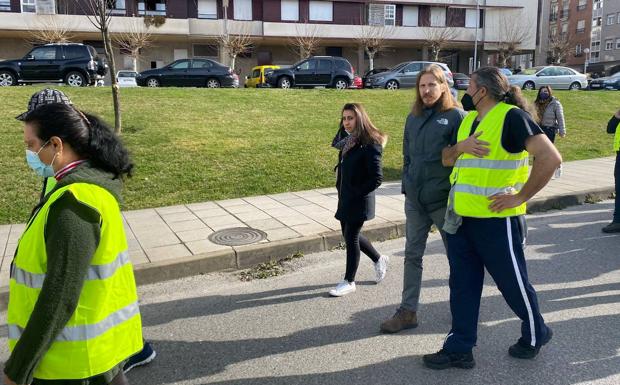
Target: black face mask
468,101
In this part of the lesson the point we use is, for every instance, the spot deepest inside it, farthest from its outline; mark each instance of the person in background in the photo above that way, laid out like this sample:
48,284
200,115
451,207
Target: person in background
550,117
360,146
613,127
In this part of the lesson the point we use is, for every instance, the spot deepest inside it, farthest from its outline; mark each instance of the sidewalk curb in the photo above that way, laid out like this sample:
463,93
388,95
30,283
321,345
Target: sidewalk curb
241,257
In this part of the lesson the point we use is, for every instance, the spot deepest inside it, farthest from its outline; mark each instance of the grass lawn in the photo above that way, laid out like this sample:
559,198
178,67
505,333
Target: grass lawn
193,145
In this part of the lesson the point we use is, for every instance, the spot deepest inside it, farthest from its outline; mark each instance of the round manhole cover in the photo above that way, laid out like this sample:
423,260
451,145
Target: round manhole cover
237,236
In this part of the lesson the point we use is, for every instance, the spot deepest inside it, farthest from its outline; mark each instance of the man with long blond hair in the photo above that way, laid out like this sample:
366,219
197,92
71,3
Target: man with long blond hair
432,124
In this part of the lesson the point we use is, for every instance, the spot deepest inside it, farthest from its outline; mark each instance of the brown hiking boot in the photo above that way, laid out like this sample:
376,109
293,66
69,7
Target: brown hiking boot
402,319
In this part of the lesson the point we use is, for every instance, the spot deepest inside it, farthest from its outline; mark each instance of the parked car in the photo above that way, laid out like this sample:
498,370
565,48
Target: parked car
189,73
258,77
554,76
606,83
328,71
506,71
126,78
404,75
74,64
373,71
461,81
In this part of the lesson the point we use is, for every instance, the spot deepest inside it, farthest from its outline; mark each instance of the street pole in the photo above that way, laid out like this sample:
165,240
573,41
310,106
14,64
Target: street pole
585,62
476,38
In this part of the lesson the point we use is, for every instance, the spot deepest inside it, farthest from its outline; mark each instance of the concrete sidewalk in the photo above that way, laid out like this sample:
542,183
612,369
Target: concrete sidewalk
172,242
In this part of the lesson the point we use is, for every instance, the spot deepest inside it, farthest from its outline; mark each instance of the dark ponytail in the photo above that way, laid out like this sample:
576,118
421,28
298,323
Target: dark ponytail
499,89
87,135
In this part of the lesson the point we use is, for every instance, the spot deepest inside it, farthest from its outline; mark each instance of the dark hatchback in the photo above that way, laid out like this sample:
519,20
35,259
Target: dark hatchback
327,71
189,73
74,64
461,81
607,83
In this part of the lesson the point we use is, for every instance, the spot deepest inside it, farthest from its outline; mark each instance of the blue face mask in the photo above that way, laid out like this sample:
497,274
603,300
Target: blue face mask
543,96
35,163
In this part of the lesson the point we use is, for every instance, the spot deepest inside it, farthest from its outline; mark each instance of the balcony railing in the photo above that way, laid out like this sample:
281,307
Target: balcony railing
564,14
580,30
160,10
553,17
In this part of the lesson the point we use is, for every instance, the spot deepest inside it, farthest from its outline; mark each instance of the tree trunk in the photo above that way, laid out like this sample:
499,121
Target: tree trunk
233,59
134,59
115,89
371,59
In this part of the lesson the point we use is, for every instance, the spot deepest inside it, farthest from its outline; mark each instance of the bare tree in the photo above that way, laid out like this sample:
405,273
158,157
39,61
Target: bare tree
137,37
306,39
512,32
99,13
559,47
373,39
235,44
50,29
438,37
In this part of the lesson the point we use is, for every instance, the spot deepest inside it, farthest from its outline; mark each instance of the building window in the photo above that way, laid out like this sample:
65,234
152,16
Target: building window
597,4
438,16
390,14
578,50
618,17
554,31
5,5
152,8
564,28
470,18
289,10
207,9
596,46
609,44
29,6
242,9
597,21
581,26
206,50
553,16
321,10
617,43
582,5
611,18
410,16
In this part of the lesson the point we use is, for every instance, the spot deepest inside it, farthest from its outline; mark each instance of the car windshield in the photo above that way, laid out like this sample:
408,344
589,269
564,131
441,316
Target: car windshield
398,66
616,75
531,71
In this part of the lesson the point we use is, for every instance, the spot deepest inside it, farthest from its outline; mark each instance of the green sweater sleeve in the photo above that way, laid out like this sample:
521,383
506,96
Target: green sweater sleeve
72,234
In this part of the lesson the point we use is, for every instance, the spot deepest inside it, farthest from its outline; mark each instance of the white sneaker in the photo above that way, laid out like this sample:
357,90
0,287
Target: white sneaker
558,172
343,288
381,268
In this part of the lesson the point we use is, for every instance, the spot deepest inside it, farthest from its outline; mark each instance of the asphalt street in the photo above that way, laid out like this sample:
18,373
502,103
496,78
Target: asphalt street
215,329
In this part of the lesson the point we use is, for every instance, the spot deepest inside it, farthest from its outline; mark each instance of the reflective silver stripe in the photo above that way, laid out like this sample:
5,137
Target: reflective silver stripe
95,272
484,191
492,164
106,271
87,332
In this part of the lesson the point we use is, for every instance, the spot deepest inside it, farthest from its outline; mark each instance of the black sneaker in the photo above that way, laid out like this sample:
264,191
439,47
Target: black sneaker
143,357
445,360
613,227
525,351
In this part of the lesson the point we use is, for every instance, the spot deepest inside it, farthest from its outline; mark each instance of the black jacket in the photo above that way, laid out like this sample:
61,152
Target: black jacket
359,174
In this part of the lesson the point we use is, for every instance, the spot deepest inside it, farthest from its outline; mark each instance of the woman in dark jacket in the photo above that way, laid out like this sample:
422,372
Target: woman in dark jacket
359,174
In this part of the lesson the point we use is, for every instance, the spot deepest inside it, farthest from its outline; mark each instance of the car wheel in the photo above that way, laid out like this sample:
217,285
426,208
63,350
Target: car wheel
75,79
529,86
284,82
7,79
213,83
152,82
392,85
341,84
574,86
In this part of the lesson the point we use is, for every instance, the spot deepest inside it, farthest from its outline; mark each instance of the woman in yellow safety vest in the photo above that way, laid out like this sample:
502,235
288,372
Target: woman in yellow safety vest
73,313
613,127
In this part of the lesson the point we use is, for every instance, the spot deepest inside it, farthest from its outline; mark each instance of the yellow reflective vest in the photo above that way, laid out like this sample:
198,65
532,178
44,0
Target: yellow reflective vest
105,328
475,179
617,139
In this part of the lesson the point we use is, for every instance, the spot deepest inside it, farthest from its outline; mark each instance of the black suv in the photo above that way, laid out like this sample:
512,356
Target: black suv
75,64
328,71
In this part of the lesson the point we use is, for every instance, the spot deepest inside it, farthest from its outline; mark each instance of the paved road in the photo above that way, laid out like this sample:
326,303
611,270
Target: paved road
214,329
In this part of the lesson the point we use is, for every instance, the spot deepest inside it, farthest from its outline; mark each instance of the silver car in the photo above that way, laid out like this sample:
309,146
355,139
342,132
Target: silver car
403,75
557,77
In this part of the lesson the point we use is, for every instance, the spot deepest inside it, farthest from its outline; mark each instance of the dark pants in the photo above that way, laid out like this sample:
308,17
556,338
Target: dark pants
354,242
120,379
550,132
617,181
494,244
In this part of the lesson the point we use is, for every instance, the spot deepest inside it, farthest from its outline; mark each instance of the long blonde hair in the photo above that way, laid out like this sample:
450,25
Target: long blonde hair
364,129
446,100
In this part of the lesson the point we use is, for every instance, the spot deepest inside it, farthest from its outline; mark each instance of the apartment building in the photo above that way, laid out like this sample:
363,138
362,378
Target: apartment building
608,43
570,22
190,28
